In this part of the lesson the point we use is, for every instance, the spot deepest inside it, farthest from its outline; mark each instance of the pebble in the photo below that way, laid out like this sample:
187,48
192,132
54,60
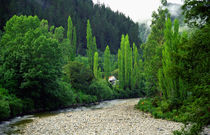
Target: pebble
120,119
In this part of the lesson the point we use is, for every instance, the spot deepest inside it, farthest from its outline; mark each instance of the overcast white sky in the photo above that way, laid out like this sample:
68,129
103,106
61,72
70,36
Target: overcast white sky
137,10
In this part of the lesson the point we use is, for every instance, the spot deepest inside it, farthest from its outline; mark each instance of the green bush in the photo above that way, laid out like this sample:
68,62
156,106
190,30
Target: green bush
28,105
16,106
100,88
82,98
4,104
164,106
66,94
4,109
79,75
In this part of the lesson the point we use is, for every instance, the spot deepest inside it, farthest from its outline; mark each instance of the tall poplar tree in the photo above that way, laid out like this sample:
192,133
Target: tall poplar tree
127,61
74,42
122,66
107,62
72,38
120,73
70,30
169,82
135,67
91,45
95,68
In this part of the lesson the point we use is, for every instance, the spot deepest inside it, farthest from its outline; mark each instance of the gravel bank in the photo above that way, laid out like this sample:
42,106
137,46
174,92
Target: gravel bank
117,119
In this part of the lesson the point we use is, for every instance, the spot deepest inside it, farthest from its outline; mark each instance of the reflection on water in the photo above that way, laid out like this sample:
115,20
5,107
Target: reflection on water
14,126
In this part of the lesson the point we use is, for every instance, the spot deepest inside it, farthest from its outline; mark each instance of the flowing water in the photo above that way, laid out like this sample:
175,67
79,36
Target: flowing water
14,126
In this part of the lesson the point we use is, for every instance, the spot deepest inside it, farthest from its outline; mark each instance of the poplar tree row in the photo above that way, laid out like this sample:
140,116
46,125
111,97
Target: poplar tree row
128,64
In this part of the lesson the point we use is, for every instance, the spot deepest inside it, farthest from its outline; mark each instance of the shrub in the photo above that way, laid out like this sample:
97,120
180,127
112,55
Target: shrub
66,94
4,109
100,89
28,105
79,75
16,105
85,99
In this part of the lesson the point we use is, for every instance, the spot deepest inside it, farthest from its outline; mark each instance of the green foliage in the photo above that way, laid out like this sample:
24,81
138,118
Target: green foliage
107,25
152,51
82,98
107,63
170,82
82,59
72,38
100,89
16,106
70,30
4,104
79,75
66,94
183,80
196,12
95,67
31,64
91,45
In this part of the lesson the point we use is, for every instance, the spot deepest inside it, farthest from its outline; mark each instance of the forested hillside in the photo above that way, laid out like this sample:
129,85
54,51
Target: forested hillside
42,69
176,67
107,25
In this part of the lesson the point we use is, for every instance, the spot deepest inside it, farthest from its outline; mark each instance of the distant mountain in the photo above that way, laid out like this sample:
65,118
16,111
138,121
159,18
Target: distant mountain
176,12
107,26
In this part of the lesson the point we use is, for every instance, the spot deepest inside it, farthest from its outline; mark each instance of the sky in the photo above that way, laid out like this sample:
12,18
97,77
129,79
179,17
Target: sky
137,10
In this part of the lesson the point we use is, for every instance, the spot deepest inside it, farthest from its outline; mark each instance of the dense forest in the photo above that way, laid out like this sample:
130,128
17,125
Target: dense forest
52,59
41,50
176,67
107,26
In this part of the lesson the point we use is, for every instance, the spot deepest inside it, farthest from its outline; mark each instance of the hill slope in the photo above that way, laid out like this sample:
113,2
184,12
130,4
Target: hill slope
107,25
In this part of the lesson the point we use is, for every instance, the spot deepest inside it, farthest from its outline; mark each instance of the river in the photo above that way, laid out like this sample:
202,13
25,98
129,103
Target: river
108,117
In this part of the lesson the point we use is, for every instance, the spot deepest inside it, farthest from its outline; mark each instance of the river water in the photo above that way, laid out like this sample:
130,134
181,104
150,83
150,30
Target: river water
14,126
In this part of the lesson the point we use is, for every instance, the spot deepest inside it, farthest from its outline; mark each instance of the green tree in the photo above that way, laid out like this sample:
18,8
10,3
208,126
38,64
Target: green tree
170,83
135,68
125,63
196,12
91,45
95,67
152,51
107,63
72,37
122,62
120,72
127,55
31,61
70,30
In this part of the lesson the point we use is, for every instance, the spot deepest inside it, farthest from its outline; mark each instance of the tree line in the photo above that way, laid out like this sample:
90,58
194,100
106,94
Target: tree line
176,67
106,25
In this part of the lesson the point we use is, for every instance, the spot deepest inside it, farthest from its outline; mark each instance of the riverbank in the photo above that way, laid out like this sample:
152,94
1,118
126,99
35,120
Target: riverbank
117,118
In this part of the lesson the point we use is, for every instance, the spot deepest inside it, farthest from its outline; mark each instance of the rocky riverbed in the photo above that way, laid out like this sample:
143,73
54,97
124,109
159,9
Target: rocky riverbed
119,118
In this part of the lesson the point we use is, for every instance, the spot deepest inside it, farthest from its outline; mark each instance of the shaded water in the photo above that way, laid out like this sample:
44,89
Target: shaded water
14,126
